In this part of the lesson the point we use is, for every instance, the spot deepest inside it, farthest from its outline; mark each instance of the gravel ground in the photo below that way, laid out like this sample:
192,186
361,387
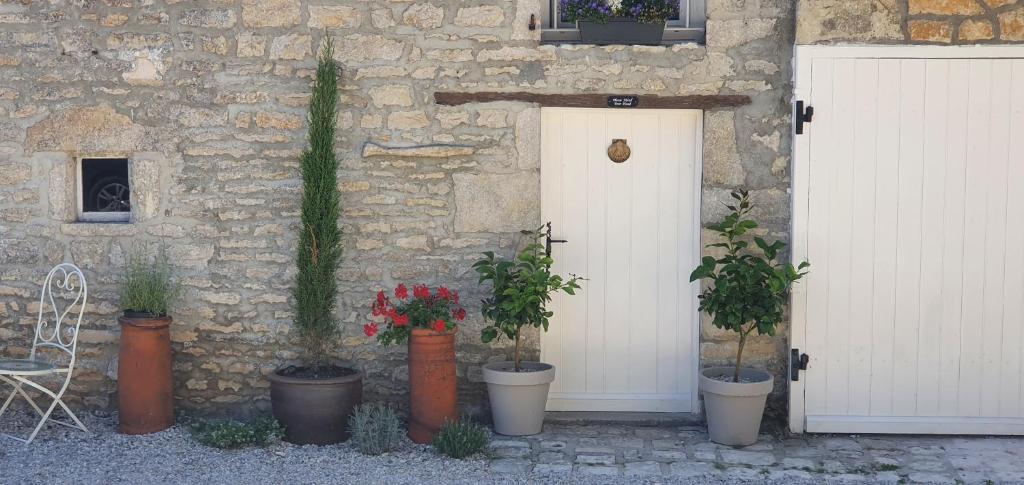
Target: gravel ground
62,455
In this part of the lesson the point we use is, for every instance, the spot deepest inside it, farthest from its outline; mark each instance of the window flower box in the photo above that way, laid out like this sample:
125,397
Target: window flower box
621,30
619,21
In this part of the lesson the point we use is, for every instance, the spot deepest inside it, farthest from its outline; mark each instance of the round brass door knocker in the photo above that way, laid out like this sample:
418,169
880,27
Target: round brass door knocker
619,151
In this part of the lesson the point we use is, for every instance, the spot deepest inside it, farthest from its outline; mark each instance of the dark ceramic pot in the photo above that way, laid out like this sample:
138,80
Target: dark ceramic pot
621,30
315,411
145,382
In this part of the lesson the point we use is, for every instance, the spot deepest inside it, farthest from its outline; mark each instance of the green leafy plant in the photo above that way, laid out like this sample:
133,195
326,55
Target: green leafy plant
375,429
462,438
521,289
148,284
319,250
748,287
236,434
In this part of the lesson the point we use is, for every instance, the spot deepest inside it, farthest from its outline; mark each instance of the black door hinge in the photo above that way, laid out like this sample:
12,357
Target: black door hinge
803,115
797,363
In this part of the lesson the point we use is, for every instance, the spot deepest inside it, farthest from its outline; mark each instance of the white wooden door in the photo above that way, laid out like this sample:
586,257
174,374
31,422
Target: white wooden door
626,342
909,205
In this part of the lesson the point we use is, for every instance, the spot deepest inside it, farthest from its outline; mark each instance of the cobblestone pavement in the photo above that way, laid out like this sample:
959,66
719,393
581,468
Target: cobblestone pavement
684,454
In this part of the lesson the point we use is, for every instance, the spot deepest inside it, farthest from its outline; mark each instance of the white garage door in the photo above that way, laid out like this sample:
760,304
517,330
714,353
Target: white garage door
626,342
909,205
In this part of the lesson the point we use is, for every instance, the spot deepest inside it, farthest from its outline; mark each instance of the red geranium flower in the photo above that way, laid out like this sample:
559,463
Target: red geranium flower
370,329
444,293
381,298
459,314
455,297
439,326
401,292
400,320
420,291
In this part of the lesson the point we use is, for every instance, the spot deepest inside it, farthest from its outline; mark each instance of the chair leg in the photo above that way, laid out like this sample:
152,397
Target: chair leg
18,389
45,416
72,416
42,421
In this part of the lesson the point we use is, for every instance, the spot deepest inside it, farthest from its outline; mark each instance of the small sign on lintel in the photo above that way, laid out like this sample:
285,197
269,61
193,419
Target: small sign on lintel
623,101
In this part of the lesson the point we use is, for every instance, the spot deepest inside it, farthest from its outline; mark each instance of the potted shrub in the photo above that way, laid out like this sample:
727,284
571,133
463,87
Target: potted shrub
314,400
521,290
427,322
748,290
620,22
145,385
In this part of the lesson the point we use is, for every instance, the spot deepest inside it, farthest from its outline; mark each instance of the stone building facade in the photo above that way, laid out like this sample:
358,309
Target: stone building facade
208,100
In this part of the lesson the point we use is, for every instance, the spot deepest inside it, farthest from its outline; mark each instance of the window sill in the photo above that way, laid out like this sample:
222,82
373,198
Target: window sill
98,229
673,36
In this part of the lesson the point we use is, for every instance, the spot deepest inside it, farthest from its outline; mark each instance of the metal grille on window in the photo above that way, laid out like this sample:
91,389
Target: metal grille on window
688,25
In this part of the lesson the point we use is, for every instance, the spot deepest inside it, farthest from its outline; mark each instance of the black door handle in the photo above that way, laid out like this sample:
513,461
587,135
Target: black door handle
548,241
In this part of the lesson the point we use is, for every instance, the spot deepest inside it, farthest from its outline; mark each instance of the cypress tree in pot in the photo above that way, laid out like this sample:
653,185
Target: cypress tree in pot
313,401
748,291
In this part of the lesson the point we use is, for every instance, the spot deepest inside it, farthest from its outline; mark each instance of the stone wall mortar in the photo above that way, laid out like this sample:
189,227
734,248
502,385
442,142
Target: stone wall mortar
208,99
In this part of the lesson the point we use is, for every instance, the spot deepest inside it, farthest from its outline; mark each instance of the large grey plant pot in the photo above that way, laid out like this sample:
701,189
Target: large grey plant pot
518,399
734,409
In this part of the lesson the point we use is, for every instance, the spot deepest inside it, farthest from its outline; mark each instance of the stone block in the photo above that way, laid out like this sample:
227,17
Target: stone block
333,17
971,30
482,16
850,20
496,202
930,31
83,129
291,46
1011,25
721,158
391,95
210,18
360,48
423,16
944,7
270,13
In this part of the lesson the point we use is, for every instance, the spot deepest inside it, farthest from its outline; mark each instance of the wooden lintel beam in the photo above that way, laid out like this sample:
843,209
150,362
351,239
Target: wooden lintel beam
647,101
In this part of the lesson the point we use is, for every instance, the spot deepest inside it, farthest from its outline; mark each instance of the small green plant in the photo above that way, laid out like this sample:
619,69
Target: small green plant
235,434
375,429
521,289
750,288
886,467
462,438
148,285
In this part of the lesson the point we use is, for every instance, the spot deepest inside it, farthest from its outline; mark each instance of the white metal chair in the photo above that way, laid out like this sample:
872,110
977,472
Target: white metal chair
70,282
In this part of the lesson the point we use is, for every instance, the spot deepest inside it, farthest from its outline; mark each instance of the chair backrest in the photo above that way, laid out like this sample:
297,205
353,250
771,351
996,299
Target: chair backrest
61,333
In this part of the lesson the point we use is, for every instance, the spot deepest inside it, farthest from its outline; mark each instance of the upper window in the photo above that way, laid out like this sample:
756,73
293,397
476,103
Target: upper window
104,190
688,25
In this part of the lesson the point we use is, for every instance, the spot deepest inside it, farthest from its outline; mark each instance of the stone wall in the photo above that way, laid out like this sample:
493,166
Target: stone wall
208,100
910,21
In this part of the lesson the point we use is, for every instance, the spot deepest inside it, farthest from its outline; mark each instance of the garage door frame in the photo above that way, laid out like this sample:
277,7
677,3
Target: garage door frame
804,55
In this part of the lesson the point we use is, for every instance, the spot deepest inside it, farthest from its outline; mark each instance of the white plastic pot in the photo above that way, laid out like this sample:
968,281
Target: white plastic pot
734,409
518,399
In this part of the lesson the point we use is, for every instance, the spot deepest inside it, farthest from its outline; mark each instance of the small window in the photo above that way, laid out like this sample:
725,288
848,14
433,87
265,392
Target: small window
104,190
688,25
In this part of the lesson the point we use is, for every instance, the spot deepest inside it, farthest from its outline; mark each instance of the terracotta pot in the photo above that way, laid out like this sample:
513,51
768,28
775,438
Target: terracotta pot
734,409
433,394
145,383
315,411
